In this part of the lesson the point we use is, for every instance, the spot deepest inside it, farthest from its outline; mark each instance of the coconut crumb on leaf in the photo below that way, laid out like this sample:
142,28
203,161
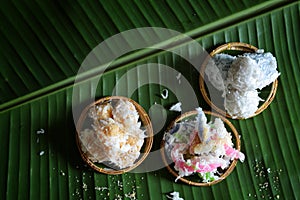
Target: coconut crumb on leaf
176,107
174,196
165,93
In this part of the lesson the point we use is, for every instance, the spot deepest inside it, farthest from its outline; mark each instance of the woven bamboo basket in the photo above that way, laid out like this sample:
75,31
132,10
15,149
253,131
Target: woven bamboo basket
189,180
148,141
239,47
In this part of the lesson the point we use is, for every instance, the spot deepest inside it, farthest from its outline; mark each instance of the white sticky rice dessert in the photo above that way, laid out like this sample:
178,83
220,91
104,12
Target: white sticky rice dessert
268,66
244,104
198,147
244,74
116,136
239,78
217,70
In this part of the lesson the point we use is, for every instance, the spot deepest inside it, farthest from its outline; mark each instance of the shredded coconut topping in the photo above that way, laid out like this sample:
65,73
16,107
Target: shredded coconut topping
239,103
116,136
198,147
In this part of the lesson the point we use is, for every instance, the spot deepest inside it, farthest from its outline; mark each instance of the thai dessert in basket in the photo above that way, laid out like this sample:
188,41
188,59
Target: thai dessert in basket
240,77
116,136
200,148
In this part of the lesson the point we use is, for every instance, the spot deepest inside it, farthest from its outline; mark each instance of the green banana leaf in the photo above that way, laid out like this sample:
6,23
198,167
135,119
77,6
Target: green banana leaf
43,44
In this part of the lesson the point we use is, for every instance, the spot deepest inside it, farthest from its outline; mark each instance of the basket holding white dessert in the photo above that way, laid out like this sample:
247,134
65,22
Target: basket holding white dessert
239,72
114,135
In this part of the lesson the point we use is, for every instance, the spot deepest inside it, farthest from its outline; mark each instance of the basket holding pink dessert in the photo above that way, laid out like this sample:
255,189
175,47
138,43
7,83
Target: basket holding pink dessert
198,152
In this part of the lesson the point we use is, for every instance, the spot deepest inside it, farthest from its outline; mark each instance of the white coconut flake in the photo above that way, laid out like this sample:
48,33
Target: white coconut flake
176,107
131,196
62,173
84,186
41,131
101,188
42,153
174,196
165,93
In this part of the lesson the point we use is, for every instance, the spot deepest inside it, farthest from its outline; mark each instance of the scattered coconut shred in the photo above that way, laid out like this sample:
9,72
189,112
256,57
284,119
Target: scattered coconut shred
41,153
239,78
165,93
40,132
174,196
116,137
176,107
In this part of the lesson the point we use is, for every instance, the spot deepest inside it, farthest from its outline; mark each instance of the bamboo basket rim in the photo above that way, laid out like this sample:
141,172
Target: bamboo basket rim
148,141
238,46
232,165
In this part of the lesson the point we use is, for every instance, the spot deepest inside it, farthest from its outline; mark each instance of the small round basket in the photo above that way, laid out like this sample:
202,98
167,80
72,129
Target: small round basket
145,123
194,179
234,48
